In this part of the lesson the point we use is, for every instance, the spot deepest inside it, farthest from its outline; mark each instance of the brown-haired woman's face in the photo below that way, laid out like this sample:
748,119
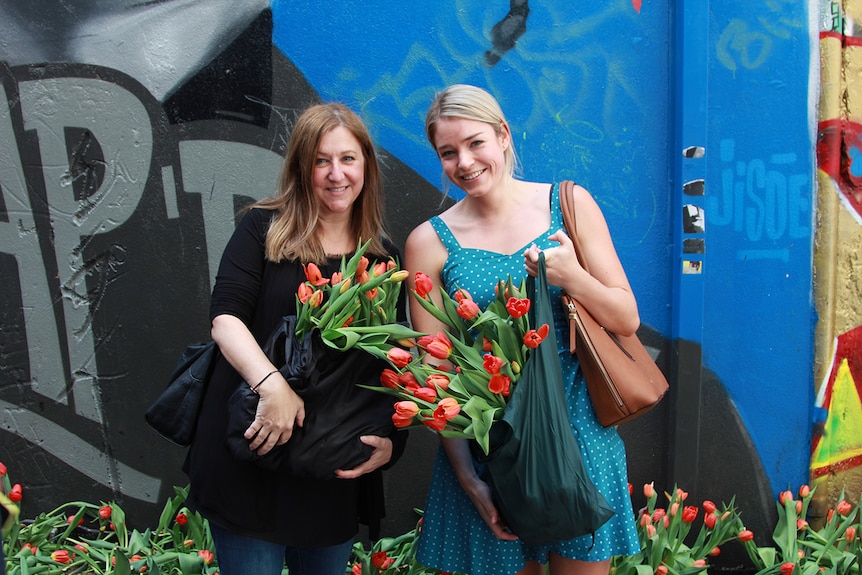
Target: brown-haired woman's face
339,171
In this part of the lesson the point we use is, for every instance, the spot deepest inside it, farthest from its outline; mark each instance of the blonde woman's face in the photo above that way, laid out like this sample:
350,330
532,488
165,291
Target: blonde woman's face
339,171
472,154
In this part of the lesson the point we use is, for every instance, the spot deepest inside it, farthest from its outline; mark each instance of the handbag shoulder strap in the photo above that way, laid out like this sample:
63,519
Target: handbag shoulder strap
567,206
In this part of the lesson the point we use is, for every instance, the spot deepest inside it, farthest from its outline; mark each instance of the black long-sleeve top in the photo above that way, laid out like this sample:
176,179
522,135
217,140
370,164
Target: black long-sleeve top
243,497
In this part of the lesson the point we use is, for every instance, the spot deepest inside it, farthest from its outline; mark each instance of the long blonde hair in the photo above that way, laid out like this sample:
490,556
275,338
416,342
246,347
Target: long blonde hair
293,231
470,103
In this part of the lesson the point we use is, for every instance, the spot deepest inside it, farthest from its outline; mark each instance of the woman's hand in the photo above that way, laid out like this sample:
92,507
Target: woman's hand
480,494
380,456
278,410
561,262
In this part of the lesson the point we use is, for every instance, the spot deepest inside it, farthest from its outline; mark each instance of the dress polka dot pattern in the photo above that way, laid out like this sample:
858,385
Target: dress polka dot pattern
454,537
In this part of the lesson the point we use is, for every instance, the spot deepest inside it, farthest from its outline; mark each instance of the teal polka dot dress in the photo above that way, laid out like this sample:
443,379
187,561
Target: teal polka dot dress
454,537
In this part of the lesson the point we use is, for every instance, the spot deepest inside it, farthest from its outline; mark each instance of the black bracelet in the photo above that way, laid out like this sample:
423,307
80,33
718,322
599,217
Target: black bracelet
254,389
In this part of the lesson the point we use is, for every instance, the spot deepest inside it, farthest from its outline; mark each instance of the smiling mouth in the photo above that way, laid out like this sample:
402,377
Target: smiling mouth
473,175
338,190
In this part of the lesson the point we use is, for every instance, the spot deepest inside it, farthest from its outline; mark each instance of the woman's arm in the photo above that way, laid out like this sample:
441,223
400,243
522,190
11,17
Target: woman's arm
605,290
425,253
280,408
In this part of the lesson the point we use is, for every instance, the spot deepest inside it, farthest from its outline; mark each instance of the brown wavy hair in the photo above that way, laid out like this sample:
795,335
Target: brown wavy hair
293,231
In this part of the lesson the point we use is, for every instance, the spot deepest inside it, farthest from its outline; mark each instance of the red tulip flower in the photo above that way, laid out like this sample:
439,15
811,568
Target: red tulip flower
787,568
689,513
492,363
316,299
438,346
105,512
448,408
380,560
304,292
313,275
206,555
407,379
500,384
710,520
533,338
16,493
745,535
468,309
423,284
435,423
462,295
389,378
709,507
181,519
379,268
649,491
843,508
517,307
362,270
61,556
399,357
425,394
438,381
405,411
401,422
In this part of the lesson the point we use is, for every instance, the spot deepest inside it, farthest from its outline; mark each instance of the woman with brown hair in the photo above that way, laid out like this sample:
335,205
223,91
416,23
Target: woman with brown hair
329,198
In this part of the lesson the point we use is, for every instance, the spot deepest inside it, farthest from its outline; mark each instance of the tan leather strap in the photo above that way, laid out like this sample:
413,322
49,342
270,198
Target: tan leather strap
567,206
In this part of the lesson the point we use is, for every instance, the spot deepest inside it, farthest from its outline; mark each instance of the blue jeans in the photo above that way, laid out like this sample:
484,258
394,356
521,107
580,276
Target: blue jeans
243,555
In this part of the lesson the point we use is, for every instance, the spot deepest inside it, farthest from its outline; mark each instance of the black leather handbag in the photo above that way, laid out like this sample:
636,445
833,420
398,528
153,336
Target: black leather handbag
174,414
337,410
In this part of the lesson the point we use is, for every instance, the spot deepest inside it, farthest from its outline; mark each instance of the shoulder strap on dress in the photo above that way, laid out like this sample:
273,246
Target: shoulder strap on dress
445,234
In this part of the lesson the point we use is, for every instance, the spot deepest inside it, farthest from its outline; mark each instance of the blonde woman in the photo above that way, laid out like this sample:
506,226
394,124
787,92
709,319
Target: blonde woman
497,230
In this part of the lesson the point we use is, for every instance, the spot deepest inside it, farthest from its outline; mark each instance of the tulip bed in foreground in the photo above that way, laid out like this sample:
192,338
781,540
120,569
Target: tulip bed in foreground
677,538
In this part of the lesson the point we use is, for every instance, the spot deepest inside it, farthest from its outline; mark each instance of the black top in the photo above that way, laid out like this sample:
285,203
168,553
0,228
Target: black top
243,497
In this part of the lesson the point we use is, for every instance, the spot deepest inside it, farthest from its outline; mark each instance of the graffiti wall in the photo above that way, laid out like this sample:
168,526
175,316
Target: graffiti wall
130,135
836,454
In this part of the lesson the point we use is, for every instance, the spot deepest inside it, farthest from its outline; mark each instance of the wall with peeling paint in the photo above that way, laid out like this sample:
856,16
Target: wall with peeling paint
836,460
130,134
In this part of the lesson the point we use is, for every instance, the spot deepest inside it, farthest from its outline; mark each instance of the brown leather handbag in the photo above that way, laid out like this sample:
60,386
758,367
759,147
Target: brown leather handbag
622,379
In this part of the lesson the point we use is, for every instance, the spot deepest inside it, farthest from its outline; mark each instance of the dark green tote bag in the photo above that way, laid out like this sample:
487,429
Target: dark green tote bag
535,468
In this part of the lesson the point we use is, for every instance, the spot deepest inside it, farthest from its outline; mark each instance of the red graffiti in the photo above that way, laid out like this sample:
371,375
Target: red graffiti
839,154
